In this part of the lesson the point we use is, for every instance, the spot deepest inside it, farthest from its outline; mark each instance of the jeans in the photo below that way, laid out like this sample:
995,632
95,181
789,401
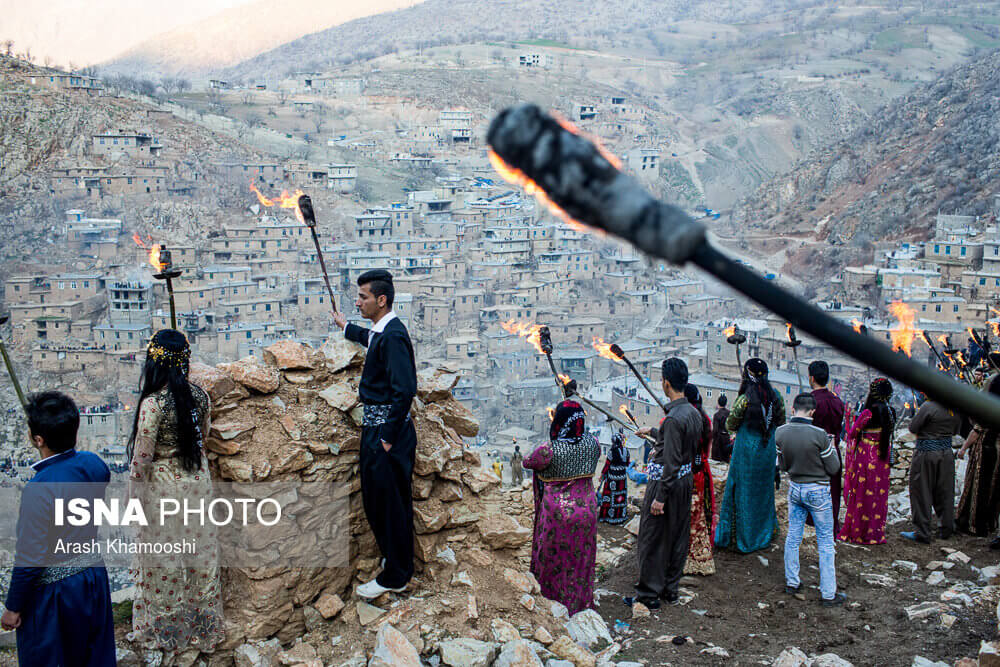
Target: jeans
815,500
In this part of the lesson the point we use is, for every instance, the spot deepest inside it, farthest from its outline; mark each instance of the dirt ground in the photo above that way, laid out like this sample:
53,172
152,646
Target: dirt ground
870,629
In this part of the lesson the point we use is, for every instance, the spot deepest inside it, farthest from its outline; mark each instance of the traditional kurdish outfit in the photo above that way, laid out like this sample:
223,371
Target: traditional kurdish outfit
564,548
388,385
747,520
177,608
614,484
866,484
699,560
65,604
979,506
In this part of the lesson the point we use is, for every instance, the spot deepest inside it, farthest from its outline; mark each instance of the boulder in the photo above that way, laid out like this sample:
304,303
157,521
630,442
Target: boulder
522,581
329,605
393,649
501,531
289,355
567,649
456,416
543,636
468,653
340,395
587,628
257,654
435,384
517,653
429,519
830,660
230,429
479,480
791,657
216,383
503,631
341,353
254,375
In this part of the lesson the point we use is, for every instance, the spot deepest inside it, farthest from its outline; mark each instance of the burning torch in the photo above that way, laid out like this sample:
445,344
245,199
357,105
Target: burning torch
984,344
930,344
793,342
164,262
619,353
954,356
736,337
10,367
308,217
585,185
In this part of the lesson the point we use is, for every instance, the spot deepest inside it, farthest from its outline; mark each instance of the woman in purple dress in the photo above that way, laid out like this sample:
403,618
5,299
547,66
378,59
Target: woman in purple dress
564,549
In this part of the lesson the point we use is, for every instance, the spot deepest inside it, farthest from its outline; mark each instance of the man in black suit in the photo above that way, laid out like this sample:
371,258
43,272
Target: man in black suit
388,439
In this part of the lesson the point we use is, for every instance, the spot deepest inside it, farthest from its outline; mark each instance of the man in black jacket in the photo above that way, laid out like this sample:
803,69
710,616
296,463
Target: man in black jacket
388,439
665,523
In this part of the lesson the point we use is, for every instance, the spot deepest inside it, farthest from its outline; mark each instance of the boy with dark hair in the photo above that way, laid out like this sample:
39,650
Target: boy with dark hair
807,454
665,523
59,600
388,438
829,416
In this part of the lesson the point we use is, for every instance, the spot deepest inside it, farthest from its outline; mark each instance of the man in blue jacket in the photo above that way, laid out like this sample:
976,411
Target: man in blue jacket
60,599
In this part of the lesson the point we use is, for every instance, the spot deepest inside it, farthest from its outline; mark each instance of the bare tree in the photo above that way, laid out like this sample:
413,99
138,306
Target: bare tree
8,47
183,85
247,98
282,96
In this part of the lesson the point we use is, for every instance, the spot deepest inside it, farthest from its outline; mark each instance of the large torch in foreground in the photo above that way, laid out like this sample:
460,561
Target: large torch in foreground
583,184
10,367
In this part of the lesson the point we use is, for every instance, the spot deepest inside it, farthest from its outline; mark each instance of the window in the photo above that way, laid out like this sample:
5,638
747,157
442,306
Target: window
937,249
937,308
947,250
955,308
982,281
962,253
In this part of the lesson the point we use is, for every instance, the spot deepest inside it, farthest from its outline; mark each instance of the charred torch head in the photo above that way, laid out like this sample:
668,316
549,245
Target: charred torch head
736,338
167,270
3,318
306,208
793,340
617,350
583,182
545,339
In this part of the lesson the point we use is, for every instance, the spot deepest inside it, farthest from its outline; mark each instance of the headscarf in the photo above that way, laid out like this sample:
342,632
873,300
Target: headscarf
760,396
883,416
618,454
568,421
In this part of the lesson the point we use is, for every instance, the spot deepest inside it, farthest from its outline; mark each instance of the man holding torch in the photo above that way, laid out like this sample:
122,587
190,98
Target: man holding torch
665,523
388,438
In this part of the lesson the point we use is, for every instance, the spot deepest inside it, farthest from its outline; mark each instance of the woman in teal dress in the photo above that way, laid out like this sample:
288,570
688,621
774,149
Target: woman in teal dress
747,520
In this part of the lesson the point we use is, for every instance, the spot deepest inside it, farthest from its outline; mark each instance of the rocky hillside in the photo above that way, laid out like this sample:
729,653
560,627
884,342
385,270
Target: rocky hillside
437,22
934,149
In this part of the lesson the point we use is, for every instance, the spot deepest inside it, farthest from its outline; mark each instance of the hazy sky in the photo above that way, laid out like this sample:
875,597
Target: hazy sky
86,32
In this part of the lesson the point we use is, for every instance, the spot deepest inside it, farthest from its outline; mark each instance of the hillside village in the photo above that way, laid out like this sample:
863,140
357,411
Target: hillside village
97,203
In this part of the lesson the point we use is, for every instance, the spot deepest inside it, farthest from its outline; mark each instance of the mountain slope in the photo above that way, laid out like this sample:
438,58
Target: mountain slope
437,22
935,149
240,33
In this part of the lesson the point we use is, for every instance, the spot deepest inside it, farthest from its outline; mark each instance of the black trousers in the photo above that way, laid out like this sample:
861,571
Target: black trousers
663,541
932,486
387,495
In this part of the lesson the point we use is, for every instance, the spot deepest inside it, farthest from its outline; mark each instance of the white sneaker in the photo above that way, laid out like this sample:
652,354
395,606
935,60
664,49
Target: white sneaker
373,589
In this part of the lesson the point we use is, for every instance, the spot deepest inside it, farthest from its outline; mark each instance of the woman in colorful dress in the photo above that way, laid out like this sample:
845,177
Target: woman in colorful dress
613,495
979,507
747,520
867,468
564,549
177,608
699,560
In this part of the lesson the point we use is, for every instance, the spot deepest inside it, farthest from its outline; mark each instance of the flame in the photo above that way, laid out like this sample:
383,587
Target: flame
996,328
552,413
565,379
729,331
526,330
138,240
628,413
604,349
961,358
856,323
569,126
943,339
154,257
284,201
788,332
902,334
517,177
906,405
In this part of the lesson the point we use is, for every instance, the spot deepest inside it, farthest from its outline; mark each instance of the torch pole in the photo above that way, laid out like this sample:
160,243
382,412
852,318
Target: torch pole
530,146
170,298
10,368
610,416
798,371
930,344
309,218
620,353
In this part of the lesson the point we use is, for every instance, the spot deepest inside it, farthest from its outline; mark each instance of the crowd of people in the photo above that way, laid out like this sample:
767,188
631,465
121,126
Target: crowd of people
62,609
832,456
